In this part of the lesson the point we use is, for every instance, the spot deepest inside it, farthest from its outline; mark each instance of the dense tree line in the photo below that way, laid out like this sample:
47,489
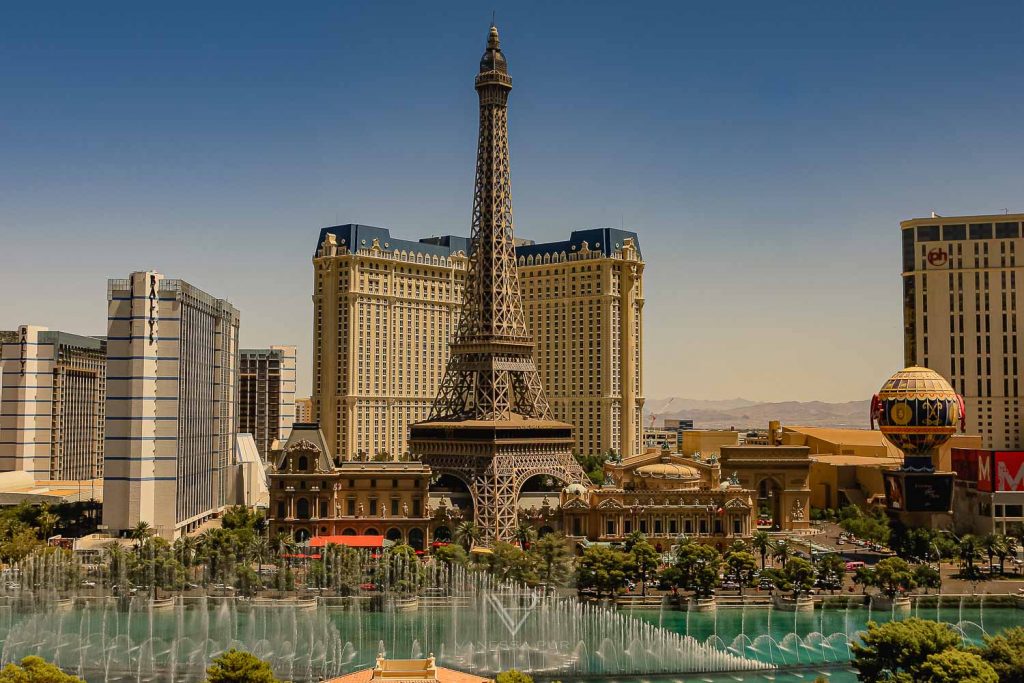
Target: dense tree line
922,651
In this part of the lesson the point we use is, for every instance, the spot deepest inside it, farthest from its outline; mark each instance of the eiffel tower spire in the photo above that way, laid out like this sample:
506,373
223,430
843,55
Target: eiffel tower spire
491,372
490,426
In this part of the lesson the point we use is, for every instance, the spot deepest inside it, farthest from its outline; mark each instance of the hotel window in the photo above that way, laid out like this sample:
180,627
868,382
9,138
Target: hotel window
981,231
954,232
1007,230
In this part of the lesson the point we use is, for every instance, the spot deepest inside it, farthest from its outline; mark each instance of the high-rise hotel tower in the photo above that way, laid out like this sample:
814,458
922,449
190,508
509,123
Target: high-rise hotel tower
266,395
962,316
386,308
51,420
172,383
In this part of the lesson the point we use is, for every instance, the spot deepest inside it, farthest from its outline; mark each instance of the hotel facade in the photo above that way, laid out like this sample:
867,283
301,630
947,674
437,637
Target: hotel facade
172,382
962,317
266,395
385,309
52,399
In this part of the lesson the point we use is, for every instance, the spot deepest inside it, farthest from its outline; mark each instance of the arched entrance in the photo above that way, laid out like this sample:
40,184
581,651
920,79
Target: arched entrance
416,538
541,482
538,503
302,535
443,534
769,499
349,532
371,532
450,492
302,508
394,534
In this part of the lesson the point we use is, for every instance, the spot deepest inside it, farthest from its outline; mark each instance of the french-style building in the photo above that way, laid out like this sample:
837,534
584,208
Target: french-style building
313,494
663,495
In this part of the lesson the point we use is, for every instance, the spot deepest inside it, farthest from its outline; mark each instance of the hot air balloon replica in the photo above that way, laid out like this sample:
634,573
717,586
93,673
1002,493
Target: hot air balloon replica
918,411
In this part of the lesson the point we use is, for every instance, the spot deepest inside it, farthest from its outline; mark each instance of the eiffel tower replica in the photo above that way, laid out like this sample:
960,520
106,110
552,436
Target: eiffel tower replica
490,425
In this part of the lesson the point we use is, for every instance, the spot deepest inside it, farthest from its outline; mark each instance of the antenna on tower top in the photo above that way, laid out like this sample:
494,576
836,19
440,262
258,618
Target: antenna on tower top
492,17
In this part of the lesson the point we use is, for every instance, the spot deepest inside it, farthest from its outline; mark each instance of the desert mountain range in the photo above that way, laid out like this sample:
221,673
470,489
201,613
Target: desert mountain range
744,414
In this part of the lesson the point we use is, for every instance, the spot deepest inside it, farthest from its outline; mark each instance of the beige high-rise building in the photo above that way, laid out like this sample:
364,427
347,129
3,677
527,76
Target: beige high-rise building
961,315
304,409
52,417
266,395
384,310
172,412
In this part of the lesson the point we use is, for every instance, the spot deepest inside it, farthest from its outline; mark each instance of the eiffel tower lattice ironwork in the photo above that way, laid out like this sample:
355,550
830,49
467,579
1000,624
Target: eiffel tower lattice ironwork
490,424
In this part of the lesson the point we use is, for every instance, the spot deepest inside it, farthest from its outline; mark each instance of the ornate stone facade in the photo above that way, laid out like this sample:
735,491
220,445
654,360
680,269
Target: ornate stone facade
313,495
663,495
779,477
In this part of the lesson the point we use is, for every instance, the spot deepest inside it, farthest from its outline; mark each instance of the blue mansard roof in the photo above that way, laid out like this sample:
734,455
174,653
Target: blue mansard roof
355,237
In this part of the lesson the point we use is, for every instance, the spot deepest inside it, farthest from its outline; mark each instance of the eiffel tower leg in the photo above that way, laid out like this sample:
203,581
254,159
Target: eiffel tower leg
506,486
483,514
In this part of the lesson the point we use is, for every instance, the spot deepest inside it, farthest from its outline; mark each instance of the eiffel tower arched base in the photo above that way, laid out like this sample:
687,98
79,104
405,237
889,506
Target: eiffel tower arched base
495,459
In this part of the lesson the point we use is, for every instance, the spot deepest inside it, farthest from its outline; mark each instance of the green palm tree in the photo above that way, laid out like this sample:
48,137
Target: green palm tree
47,521
762,543
141,531
782,551
968,551
467,534
117,563
995,545
258,550
185,550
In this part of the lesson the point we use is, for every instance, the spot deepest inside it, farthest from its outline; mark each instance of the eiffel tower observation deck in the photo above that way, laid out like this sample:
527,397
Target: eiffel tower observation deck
490,425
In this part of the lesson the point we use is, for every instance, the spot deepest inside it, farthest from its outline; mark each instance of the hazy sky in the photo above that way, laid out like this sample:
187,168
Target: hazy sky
765,153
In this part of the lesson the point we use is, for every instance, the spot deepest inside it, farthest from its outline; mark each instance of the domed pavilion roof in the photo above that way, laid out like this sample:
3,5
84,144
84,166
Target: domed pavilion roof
668,470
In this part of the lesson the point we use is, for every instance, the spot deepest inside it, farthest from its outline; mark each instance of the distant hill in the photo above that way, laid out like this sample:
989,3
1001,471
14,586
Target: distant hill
743,414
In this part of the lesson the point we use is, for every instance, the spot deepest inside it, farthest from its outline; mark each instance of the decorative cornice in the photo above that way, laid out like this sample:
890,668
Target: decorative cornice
303,445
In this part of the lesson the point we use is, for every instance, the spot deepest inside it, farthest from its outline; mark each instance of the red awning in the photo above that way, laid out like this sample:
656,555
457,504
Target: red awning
350,541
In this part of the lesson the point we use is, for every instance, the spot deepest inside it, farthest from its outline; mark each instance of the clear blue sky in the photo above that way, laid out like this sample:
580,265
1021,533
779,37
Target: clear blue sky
765,153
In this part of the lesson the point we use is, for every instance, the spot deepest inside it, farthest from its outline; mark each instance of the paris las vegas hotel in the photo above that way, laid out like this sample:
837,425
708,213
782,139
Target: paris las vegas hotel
384,310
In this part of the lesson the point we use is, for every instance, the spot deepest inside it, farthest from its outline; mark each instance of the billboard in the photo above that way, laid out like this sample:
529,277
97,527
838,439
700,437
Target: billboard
965,463
913,492
990,470
1008,470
